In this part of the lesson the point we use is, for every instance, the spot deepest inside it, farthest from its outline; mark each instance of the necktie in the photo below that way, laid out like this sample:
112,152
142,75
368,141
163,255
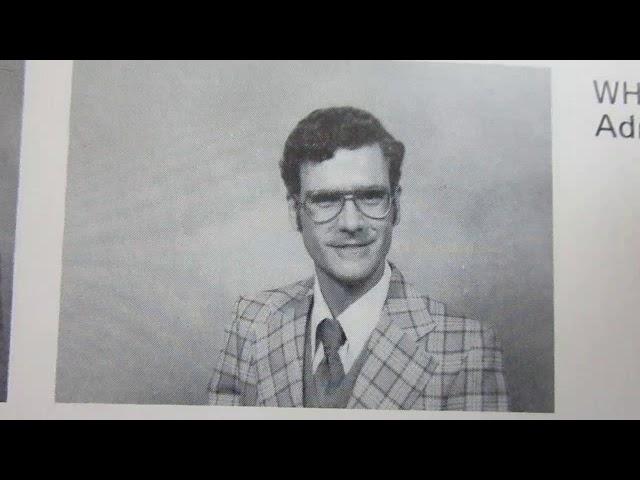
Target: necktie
330,371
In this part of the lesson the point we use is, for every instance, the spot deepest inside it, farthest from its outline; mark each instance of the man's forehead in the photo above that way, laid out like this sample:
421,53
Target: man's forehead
361,167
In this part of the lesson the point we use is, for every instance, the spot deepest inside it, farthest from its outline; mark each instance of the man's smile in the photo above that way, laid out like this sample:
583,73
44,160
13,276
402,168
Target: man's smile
351,245
353,250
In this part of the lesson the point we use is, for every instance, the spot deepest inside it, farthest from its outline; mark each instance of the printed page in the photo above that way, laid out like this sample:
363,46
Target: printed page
326,239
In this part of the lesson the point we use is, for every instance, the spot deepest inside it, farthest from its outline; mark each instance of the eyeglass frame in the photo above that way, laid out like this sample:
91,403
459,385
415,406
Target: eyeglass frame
349,196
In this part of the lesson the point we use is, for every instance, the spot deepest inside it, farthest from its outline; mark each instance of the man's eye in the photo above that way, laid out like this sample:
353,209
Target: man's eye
324,200
372,198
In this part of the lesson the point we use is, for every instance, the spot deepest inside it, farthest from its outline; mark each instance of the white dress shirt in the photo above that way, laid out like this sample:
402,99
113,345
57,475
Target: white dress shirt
357,321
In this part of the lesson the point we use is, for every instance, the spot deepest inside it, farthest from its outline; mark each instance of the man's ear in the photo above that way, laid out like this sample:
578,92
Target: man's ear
396,206
294,213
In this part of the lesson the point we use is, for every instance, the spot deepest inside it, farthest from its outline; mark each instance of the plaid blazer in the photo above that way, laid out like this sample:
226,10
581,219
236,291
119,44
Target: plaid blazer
418,356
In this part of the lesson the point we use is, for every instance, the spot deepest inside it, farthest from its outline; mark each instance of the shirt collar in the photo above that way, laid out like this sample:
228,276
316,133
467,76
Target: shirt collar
358,320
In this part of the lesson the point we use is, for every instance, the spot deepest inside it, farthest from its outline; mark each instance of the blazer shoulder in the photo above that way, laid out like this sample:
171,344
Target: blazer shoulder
257,307
456,332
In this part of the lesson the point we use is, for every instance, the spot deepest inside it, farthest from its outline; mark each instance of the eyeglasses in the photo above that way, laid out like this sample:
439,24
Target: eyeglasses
324,206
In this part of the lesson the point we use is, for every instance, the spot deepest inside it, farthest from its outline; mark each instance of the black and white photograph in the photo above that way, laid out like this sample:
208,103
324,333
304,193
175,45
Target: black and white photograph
320,234
11,93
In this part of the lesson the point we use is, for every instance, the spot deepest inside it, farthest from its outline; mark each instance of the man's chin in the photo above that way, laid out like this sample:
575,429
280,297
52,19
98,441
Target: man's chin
354,276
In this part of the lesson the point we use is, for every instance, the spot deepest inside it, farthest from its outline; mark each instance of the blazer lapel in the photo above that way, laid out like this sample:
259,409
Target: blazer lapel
280,352
397,366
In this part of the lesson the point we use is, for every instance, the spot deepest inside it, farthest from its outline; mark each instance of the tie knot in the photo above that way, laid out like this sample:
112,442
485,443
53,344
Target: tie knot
331,335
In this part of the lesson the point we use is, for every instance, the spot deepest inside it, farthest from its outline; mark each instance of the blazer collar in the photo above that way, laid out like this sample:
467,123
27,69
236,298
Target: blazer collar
407,309
393,344
280,347
397,365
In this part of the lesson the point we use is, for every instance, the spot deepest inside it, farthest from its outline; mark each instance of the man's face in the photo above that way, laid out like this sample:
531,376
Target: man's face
351,248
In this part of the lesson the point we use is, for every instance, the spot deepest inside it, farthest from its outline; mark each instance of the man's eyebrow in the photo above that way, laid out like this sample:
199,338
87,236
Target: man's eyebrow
364,188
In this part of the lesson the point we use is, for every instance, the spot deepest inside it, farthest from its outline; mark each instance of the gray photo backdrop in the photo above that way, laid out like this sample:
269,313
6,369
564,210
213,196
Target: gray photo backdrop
175,207
11,93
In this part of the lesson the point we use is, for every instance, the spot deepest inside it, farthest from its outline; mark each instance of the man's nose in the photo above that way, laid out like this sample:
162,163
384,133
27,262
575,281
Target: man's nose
350,218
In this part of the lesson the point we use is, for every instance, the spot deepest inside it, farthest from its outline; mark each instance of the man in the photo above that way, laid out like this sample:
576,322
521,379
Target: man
355,335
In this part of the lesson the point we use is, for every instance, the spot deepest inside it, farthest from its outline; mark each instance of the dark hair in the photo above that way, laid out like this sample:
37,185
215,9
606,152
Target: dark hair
317,137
